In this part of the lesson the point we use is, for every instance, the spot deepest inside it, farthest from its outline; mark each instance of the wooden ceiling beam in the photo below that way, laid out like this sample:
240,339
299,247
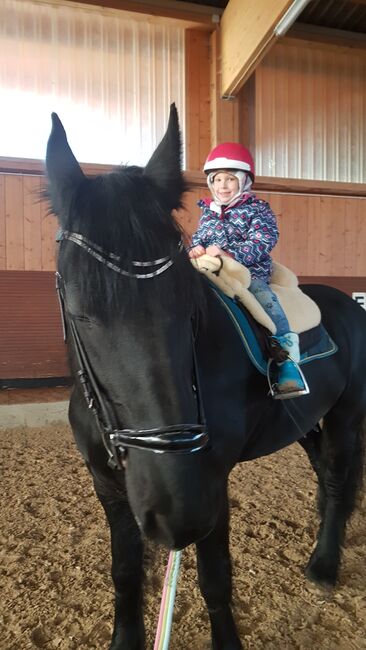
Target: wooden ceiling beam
193,15
247,33
327,35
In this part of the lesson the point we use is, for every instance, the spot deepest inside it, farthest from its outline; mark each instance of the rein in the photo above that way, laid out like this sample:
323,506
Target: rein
175,438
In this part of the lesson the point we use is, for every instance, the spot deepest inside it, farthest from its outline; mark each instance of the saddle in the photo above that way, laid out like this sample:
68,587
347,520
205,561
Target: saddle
233,279
230,281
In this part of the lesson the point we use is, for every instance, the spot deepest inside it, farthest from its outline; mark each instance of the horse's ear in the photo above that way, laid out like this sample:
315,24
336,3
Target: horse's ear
63,170
164,167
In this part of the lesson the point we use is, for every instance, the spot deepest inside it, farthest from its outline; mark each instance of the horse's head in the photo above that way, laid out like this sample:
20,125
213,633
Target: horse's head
131,299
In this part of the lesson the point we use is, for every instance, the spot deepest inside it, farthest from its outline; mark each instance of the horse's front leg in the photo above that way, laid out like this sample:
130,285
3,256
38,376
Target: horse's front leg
214,574
127,575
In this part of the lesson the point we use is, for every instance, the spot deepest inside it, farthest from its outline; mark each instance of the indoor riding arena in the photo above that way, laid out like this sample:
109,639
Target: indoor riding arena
285,78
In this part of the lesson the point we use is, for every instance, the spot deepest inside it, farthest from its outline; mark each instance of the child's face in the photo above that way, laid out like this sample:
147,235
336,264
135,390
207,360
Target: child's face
225,186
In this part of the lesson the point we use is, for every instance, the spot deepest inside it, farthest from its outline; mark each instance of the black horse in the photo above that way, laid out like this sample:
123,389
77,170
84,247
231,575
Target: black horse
166,401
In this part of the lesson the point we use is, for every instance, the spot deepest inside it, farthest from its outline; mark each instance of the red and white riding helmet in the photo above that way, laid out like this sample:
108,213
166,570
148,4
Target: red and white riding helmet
230,155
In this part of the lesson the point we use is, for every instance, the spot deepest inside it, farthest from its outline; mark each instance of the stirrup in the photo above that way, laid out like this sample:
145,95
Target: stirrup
273,386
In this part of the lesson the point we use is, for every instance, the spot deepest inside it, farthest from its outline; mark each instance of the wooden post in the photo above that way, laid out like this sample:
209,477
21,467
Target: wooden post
197,98
224,112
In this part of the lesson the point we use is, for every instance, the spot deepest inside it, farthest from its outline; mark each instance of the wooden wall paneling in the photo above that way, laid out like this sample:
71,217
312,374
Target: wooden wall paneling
320,235
14,222
297,213
275,201
2,224
295,218
350,236
361,239
49,227
282,252
32,224
197,98
291,249
315,236
320,253
355,238
338,225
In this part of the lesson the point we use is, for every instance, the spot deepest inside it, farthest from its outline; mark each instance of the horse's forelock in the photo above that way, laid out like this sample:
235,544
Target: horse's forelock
124,213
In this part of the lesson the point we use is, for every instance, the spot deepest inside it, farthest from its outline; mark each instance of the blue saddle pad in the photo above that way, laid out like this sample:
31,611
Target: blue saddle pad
324,346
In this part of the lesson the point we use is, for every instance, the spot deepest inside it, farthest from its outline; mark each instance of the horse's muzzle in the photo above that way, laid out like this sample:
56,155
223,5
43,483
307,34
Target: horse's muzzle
159,529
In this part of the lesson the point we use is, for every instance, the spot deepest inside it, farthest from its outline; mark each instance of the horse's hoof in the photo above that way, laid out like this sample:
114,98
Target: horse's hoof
119,642
321,574
236,645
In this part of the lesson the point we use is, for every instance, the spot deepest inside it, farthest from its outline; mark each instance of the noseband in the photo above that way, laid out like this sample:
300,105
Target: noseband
175,438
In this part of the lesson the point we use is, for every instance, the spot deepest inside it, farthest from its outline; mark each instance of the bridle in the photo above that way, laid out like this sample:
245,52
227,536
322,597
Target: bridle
175,438
110,259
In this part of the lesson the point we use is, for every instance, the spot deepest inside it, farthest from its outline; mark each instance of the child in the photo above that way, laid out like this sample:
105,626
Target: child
238,224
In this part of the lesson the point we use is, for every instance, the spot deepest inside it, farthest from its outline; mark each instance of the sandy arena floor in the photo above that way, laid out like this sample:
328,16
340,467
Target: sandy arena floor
56,589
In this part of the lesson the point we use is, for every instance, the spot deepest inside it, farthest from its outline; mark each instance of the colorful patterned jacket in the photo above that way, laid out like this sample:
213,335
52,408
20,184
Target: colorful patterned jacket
248,230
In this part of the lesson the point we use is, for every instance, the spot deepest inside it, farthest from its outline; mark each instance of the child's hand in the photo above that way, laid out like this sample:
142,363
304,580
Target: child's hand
197,251
214,251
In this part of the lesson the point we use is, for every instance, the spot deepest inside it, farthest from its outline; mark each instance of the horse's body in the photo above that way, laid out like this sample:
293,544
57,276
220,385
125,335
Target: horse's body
134,340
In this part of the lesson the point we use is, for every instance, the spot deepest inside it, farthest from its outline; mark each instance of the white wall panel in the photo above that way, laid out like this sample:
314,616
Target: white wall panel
310,112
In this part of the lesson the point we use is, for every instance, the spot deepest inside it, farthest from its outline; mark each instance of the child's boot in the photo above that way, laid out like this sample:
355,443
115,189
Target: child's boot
291,381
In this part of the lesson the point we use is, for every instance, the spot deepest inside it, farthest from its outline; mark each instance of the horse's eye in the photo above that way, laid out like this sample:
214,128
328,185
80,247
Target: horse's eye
85,319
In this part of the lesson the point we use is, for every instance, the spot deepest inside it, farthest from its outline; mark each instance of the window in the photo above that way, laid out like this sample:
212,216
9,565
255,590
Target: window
111,79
